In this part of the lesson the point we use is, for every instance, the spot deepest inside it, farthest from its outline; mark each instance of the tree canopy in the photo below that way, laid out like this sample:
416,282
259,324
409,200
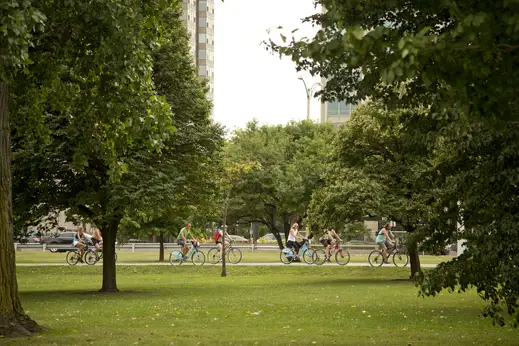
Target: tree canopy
456,59
108,145
291,161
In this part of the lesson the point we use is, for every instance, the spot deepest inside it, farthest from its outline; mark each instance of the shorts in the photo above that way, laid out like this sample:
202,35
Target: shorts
382,245
325,241
181,242
95,241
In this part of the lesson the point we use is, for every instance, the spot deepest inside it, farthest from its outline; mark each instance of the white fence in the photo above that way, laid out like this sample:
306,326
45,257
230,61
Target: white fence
155,246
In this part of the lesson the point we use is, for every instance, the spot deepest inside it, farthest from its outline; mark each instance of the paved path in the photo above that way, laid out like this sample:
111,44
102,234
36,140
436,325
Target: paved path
272,264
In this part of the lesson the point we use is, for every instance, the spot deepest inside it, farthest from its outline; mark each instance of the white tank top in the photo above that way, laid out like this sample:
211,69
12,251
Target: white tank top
291,237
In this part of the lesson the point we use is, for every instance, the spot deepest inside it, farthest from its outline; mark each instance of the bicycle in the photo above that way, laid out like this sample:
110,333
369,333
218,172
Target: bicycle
287,254
99,253
234,255
400,257
197,257
89,256
342,256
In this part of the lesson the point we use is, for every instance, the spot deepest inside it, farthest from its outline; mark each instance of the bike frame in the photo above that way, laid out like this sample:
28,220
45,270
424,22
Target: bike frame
192,249
302,250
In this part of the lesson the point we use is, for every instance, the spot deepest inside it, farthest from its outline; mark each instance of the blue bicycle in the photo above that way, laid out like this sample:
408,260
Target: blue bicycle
197,257
287,255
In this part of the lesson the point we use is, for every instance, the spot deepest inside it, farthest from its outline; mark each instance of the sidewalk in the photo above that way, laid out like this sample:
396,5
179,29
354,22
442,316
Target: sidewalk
274,264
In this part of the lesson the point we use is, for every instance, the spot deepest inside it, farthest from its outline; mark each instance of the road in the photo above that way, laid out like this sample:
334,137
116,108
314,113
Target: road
273,264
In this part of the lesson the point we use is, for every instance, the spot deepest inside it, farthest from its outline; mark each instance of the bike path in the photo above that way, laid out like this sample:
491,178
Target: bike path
273,264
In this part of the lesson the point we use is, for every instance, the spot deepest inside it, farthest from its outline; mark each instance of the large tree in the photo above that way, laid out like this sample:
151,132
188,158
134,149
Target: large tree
458,59
184,171
291,158
18,22
379,164
92,91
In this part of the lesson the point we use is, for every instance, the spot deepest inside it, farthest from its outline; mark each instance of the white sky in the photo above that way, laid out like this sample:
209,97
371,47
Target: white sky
249,81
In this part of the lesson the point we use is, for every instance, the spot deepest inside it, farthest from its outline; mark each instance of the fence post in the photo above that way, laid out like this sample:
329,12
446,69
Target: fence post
44,247
133,247
15,247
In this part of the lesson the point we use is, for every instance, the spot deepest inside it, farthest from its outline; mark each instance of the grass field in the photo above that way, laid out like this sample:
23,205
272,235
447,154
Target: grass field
165,305
151,257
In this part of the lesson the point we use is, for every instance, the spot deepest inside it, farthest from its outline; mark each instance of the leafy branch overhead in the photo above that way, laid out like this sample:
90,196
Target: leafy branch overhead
455,62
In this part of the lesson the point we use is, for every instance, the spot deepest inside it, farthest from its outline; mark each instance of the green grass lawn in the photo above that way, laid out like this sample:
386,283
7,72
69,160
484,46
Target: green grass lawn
151,257
252,306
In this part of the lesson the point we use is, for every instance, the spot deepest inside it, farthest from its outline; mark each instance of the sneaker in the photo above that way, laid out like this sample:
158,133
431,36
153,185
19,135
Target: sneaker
184,258
328,260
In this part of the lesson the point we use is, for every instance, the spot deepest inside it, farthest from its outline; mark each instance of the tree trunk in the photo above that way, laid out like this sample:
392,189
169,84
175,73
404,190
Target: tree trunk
109,236
286,225
13,320
414,259
412,250
161,248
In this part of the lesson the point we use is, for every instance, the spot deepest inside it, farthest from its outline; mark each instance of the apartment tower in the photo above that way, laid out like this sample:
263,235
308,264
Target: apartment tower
198,15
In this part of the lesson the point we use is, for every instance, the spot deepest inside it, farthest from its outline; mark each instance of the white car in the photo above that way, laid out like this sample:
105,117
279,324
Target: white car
238,238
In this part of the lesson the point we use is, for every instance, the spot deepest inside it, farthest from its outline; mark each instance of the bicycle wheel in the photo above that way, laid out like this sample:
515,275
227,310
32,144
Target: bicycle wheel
90,257
286,256
319,257
175,257
308,256
198,258
72,258
342,257
400,259
213,256
234,255
375,258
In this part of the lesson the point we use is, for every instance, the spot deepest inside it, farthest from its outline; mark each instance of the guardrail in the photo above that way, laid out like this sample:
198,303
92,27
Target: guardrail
151,246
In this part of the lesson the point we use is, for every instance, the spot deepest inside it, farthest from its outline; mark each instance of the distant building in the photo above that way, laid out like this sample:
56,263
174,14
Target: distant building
335,112
198,16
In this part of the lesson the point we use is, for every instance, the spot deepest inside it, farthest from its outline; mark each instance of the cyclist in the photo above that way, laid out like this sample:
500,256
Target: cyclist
291,241
333,238
218,239
384,241
80,237
183,237
97,238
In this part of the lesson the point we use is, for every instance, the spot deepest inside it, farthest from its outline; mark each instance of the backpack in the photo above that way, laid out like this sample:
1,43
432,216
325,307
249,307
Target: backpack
217,235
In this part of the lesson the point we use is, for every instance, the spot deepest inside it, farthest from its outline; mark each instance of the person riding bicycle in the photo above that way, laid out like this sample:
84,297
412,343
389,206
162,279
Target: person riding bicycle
329,237
391,244
184,236
97,238
79,241
384,241
218,234
292,236
334,239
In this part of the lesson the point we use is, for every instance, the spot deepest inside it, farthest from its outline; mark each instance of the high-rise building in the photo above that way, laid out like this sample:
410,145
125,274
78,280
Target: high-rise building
198,15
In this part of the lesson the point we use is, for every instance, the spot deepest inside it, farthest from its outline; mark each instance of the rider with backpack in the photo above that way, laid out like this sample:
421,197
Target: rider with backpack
217,236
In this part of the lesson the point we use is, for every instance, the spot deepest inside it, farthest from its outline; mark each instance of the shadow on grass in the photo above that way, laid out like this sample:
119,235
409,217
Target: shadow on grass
75,294
358,281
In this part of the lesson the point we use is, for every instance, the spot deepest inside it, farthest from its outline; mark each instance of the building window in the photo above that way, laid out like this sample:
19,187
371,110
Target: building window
333,108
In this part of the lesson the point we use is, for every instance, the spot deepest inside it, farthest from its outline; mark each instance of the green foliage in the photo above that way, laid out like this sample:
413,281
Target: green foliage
291,160
378,170
87,117
179,180
354,230
19,19
457,59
